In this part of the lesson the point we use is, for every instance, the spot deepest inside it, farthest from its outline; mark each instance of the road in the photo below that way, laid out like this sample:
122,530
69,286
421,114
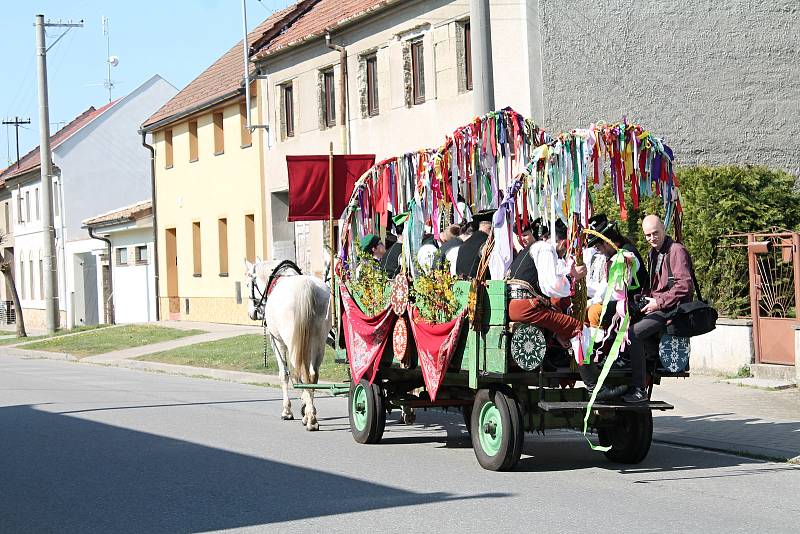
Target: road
95,449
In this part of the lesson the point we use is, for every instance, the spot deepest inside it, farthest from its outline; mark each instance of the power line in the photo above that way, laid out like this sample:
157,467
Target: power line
16,122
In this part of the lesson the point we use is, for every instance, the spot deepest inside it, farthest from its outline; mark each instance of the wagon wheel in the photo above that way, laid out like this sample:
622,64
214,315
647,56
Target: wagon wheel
367,413
630,437
497,432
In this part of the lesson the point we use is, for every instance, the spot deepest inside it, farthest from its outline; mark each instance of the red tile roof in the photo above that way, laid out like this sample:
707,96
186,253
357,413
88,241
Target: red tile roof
32,160
128,213
324,15
218,81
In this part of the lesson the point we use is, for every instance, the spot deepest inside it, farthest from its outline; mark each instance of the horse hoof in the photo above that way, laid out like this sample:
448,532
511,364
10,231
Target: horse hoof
409,418
312,427
288,417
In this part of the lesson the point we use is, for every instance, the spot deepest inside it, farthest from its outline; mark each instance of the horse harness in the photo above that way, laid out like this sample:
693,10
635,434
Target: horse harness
272,281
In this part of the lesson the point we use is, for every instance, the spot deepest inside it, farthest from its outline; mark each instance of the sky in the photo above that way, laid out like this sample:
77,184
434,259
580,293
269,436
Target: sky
176,39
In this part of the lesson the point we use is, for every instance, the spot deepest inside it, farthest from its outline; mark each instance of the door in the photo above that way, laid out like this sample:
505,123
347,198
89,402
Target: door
173,295
774,263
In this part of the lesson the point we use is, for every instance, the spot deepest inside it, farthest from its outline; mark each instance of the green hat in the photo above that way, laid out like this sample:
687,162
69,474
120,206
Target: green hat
369,242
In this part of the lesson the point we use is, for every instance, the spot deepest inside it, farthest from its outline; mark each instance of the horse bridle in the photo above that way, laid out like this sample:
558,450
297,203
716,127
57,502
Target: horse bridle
277,272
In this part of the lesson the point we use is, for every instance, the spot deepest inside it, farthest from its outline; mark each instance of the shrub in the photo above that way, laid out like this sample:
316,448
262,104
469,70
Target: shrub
718,201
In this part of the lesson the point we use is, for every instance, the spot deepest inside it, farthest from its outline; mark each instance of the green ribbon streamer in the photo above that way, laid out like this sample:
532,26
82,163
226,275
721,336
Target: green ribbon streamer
617,274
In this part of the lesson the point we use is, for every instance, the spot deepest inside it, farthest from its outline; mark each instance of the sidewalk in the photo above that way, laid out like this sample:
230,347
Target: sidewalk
715,415
709,413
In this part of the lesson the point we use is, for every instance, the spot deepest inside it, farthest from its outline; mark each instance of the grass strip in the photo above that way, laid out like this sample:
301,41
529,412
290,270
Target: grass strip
240,353
100,341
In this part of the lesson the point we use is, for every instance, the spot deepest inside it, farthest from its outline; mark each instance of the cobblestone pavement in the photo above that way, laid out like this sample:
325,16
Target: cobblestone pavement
712,414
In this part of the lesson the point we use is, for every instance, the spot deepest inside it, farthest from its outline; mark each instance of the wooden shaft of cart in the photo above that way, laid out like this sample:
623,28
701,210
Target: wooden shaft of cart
330,209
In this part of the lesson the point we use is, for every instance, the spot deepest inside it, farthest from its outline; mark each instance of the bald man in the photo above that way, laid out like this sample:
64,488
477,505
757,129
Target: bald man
670,268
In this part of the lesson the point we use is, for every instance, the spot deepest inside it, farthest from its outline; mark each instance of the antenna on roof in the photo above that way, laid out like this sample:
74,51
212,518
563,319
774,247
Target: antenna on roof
111,61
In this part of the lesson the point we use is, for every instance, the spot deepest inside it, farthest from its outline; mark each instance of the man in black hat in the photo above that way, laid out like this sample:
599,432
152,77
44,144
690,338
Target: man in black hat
469,253
608,229
391,260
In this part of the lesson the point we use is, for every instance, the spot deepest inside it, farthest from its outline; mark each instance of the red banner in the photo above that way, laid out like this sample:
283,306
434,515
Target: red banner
435,346
365,337
308,184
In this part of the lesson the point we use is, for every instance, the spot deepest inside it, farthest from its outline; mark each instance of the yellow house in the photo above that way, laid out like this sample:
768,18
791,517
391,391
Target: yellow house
209,193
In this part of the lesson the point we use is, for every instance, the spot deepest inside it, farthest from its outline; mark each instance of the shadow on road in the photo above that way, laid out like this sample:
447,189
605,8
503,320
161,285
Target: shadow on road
66,474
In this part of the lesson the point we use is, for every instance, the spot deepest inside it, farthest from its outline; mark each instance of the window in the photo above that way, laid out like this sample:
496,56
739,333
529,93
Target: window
219,134
193,141
418,71
38,216
141,255
197,256
27,206
41,277
288,110
328,98
223,246
31,278
468,56
122,256
19,206
6,216
247,135
250,237
56,199
167,149
22,278
372,86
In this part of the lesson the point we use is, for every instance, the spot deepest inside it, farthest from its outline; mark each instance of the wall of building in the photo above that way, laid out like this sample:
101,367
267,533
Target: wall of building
224,186
134,282
400,126
720,81
112,169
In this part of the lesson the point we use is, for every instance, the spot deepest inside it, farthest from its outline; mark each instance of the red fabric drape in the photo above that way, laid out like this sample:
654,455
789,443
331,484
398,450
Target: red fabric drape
308,184
435,345
365,337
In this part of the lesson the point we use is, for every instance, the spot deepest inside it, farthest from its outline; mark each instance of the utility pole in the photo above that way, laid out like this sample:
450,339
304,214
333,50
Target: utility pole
49,233
481,32
16,123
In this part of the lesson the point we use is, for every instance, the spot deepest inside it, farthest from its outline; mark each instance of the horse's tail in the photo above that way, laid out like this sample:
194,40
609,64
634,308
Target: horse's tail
302,332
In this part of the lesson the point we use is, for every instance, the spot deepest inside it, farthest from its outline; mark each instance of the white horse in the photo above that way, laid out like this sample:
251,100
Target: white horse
296,312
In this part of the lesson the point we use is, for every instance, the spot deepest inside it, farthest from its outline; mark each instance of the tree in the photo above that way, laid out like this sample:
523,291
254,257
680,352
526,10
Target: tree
6,268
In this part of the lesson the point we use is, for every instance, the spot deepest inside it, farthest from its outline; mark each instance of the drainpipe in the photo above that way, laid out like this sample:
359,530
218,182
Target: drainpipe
155,219
342,91
110,274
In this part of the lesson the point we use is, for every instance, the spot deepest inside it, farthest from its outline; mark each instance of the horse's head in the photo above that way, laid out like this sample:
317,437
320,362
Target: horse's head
257,275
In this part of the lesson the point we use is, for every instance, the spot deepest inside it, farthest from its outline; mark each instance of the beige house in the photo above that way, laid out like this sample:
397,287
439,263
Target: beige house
209,193
409,83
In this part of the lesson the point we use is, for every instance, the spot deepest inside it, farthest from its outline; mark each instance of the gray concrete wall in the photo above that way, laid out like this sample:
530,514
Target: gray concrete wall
104,166
720,81
725,349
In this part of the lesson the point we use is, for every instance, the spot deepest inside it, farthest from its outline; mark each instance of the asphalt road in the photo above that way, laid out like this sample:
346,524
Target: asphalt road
95,449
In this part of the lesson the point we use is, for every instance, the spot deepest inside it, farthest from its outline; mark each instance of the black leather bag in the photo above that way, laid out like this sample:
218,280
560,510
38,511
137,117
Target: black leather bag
691,318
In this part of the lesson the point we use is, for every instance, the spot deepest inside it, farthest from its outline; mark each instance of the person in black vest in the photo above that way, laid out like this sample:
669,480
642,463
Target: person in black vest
391,260
537,277
469,253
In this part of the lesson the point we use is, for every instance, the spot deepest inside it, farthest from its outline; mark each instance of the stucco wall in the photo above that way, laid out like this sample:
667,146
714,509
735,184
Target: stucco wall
104,165
134,283
725,349
214,187
720,81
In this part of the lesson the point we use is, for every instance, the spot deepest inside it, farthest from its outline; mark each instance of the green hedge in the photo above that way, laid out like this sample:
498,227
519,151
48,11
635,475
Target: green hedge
718,201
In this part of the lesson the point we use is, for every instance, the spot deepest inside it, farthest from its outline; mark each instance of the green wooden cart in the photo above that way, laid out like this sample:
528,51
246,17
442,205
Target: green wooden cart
500,402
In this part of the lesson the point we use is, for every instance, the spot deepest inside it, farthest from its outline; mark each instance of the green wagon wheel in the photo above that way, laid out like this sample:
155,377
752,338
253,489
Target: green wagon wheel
497,432
366,411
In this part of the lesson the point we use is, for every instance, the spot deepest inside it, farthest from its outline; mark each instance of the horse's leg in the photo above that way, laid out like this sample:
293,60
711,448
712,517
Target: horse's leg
286,413
310,417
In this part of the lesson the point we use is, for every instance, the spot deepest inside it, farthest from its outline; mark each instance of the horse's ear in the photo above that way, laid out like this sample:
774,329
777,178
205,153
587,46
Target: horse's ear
248,268
258,259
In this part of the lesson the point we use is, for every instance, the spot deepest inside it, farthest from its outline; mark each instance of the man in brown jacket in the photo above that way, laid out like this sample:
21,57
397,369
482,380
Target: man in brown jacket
670,268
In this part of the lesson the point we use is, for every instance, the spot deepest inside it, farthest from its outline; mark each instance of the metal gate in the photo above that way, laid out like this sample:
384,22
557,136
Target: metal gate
774,264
